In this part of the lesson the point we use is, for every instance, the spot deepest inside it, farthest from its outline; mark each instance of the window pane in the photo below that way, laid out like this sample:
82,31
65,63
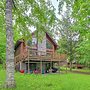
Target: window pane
48,45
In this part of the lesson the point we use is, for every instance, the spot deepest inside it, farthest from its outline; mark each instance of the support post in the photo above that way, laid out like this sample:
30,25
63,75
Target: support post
20,65
41,66
28,62
28,66
59,66
59,63
51,66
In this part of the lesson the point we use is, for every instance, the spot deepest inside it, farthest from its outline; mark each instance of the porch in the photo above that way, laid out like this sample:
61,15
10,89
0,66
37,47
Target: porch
38,67
38,58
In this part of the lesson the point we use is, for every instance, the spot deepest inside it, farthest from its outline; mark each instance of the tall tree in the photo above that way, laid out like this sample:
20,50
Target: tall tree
2,32
31,13
10,82
81,15
79,10
68,40
67,37
40,16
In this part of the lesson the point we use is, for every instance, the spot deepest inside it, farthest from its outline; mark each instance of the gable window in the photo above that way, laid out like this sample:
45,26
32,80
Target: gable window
29,42
48,45
32,42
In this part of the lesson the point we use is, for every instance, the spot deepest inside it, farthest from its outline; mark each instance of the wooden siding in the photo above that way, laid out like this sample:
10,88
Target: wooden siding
38,52
42,45
18,50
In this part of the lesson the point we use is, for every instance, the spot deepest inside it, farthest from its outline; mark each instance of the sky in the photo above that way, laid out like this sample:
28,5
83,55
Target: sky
55,4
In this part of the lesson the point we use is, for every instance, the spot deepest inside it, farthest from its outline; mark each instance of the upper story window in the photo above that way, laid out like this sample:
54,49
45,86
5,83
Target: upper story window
29,42
32,42
48,45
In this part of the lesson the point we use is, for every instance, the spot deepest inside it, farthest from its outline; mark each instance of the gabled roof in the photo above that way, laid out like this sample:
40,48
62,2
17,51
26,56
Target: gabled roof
51,39
47,35
18,43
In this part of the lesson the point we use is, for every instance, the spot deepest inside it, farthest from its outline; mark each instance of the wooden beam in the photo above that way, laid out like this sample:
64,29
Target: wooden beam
51,65
21,48
37,62
41,66
28,67
41,63
28,62
59,66
20,65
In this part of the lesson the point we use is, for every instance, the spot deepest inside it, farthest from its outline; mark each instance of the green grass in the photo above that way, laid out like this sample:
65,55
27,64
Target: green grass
49,82
80,70
1,66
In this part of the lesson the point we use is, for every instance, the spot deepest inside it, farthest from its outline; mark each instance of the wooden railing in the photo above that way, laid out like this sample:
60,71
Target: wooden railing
39,55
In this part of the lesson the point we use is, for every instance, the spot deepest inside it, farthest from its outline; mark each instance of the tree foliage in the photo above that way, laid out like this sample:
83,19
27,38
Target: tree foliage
81,14
27,14
77,21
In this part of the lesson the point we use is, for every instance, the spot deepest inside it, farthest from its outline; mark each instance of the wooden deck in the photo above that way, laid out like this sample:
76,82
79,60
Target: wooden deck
36,55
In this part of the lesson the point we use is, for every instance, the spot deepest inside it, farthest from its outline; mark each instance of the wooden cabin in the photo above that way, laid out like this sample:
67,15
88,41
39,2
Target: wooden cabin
34,55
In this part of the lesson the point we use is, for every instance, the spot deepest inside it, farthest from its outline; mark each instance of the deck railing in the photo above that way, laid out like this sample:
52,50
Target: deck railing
33,54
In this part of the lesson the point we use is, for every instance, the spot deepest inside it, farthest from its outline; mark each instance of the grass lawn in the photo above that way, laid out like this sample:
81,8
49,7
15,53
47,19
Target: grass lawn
80,70
49,82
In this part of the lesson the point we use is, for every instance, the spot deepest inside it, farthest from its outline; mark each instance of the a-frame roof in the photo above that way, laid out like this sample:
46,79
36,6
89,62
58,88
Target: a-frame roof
47,36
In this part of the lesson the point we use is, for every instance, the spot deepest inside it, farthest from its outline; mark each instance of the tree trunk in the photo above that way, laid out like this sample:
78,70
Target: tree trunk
10,82
70,66
89,65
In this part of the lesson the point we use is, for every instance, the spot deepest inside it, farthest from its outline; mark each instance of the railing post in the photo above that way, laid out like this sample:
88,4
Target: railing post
53,54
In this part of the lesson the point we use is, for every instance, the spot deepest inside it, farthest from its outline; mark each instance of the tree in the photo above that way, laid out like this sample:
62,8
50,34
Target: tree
10,82
81,15
79,11
83,50
2,33
26,14
67,36
2,46
68,41
41,18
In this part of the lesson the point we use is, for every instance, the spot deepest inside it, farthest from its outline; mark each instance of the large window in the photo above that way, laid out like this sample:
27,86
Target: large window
32,42
29,42
48,45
